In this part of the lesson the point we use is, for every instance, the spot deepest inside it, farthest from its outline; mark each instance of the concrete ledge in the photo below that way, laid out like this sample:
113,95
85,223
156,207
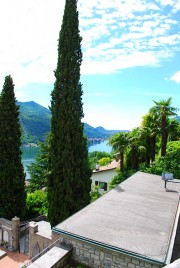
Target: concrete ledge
55,257
2,254
175,264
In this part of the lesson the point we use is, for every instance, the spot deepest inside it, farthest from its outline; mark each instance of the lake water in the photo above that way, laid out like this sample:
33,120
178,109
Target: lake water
29,154
101,147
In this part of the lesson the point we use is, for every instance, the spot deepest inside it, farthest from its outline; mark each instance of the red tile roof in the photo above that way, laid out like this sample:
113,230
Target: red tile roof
114,164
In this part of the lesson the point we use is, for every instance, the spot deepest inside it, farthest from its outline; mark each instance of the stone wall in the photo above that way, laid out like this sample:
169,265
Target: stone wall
9,233
97,257
37,242
54,257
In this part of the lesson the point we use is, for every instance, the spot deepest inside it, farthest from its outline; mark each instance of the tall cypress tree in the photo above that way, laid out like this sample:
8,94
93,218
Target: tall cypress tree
12,176
69,173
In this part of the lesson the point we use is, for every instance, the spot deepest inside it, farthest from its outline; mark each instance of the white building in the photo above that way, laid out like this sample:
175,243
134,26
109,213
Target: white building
102,176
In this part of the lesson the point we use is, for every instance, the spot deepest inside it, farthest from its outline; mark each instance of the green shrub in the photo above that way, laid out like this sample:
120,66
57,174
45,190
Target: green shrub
36,203
170,163
120,177
104,161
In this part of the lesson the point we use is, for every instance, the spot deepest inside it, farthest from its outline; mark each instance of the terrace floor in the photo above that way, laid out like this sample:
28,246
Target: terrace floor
12,259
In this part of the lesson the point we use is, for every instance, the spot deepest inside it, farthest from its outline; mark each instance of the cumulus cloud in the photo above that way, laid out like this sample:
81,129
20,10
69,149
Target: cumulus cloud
176,77
117,34
127,28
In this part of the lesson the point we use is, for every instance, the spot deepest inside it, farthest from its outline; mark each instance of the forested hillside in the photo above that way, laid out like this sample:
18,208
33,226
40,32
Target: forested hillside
35,124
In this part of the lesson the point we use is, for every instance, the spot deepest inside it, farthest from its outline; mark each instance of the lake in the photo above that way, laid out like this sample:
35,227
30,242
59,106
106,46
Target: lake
101,147
29,154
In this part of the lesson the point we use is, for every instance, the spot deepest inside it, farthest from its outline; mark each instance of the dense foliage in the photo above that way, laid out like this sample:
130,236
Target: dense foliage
12,177
140,149
154,147
35,122
95,194
164,111
104,161
38,169
168,163
120,177
102,157
143,144
69,181
36,203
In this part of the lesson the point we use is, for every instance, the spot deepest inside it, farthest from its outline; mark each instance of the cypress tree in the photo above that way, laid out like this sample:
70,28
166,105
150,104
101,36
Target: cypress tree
12,176
69,173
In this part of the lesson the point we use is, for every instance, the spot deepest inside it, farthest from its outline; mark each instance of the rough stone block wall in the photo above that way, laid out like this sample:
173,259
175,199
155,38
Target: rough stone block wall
62,262
96,257
37,242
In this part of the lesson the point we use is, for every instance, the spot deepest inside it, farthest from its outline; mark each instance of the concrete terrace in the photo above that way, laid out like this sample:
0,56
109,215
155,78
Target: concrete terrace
138,217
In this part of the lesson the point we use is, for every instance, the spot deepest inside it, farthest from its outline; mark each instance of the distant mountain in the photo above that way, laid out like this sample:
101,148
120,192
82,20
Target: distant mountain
178,118
99,132
35,124
35,121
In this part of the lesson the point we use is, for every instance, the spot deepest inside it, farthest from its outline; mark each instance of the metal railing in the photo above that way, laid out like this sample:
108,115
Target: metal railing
27,263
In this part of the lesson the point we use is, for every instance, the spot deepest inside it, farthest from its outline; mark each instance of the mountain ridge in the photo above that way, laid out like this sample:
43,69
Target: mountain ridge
35,124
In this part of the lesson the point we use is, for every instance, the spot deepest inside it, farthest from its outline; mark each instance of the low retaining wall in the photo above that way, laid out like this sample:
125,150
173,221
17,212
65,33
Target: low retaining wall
54,257
97,257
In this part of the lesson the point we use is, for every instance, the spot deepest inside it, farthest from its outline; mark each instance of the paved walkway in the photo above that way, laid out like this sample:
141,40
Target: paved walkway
12,259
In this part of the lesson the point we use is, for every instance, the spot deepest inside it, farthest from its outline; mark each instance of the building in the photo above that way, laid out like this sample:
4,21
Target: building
134,225
102,176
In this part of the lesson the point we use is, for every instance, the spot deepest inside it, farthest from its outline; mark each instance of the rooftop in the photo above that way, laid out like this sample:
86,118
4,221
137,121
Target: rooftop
114,164
138,216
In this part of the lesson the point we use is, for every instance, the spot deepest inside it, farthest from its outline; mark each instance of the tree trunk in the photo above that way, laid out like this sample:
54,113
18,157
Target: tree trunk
164,136
122,161
134,161
153,147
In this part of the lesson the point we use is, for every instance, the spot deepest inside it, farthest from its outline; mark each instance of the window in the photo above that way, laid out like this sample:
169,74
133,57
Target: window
103,185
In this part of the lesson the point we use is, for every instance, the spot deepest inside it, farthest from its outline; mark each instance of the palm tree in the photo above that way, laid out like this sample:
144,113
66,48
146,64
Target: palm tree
173,130
119,143
150,130
164,111
136,149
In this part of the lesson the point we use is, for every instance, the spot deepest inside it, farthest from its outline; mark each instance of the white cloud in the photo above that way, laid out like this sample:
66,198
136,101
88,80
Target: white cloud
120,62
29,32
127,28
176,77
116,34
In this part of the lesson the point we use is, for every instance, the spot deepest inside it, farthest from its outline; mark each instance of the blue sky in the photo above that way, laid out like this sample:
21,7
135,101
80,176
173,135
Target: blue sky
131,55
